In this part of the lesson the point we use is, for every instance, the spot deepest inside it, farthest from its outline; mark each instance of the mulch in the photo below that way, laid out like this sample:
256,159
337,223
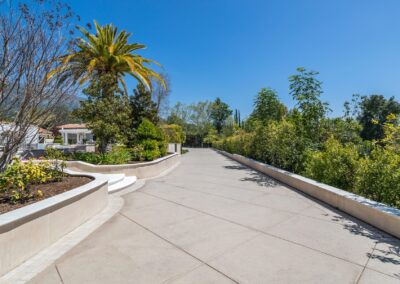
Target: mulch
48,190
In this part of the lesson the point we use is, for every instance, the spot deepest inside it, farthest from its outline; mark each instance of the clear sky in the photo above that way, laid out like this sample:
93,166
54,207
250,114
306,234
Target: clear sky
232,48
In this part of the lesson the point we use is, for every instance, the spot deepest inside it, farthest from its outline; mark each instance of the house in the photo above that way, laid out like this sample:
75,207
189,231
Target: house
75,134
30,141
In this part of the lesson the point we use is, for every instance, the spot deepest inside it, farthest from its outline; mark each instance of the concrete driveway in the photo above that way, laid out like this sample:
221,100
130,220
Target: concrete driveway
213,220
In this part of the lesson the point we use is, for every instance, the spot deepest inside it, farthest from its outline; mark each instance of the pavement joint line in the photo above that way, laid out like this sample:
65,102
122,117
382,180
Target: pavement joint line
233,199
311,199
180,275
262,232
178,247
350,218
366,263
46,257
164,173
278,237
59,274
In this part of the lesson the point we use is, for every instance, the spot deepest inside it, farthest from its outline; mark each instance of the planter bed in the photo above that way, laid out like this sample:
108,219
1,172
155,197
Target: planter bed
27,230
48,190
140,169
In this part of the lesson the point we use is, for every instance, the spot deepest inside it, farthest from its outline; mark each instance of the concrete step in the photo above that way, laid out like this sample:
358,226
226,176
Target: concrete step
114,178
126,182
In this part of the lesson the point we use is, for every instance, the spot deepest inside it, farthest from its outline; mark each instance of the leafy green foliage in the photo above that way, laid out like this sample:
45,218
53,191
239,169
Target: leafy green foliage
147,130
108,52
106,115
195,119
220,111
17,180
378,176
152,140
329,150
267,106
278,144
334,165
118,155
306,90
141,106
374,110
173,133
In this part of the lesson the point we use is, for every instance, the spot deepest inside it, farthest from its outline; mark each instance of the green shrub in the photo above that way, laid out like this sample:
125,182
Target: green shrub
378,176
17,180
118,155
59,140
147,130
238,144
54,154
150,149
335,165
137,153
279,144
173,133
151,144
92,158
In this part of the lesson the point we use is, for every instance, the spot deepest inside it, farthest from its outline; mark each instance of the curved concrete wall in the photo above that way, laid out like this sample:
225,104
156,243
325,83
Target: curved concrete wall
140,170
374,213
27,230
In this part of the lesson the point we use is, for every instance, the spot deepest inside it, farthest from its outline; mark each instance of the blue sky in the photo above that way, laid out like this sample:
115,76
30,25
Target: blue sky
232,48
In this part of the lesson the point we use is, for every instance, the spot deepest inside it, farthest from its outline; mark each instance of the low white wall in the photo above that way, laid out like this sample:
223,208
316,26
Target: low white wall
175,148
140,170
27,230
374,213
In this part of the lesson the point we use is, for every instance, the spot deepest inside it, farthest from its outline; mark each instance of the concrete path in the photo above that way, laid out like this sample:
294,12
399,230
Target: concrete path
212,220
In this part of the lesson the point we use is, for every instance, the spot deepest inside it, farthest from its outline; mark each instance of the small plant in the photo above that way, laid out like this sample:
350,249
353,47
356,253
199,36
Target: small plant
151,144
17,180
137,153
57,159
118,155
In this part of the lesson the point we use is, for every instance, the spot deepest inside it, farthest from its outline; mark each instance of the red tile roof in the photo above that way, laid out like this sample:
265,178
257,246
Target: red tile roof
72,126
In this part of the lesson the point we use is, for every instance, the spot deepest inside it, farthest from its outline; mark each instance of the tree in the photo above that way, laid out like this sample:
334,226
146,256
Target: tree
306,90
373,113
141,106
106,115
161,93
32,38
108,52
267,106
220,111
195,119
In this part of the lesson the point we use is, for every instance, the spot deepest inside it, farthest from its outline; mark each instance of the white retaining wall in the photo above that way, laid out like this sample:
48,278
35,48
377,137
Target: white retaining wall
27,230
374,213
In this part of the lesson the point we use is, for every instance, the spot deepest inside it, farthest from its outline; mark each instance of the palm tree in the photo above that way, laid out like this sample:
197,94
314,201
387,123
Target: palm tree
107,52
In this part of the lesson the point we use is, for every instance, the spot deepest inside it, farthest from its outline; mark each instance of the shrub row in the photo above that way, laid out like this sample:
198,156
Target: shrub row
368,169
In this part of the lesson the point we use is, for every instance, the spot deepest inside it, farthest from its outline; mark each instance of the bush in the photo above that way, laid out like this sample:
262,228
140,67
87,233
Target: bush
238,144
279,144
118,155
59,140
17,179
378,176
147,130
173,133
152,142
335,165
137,153
92,158
151,149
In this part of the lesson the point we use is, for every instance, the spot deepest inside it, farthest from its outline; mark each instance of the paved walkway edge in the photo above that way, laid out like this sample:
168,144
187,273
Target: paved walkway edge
38,263
379,215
